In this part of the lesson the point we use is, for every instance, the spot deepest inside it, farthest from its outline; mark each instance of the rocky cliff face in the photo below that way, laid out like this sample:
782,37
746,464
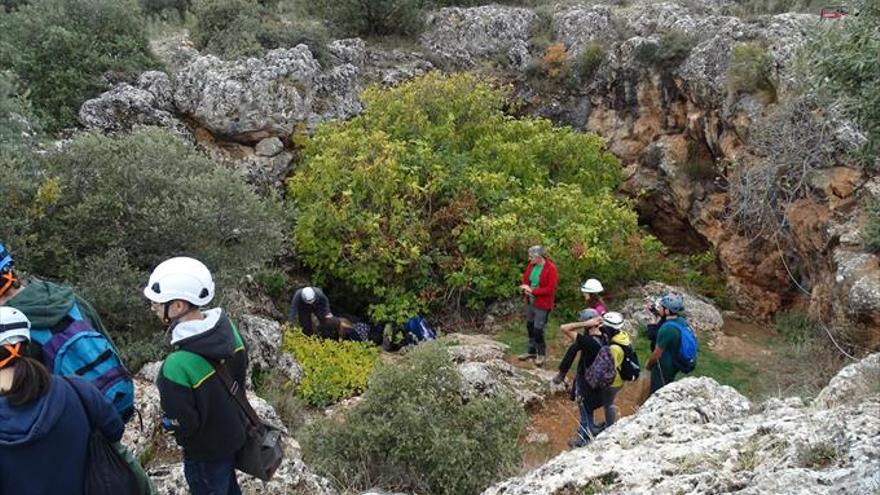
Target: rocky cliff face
695,436
687,139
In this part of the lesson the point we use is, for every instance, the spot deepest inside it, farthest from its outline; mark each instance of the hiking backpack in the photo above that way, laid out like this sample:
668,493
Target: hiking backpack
417,330
686,357
629,367
74,347
601,372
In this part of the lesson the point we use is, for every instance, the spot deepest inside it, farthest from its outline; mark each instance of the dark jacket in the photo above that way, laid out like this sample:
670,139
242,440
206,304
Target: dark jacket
588,346
43,445
545,293
206,420
301,312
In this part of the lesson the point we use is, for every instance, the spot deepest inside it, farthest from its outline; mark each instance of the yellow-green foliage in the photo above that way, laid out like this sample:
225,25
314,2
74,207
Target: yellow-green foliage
333,370
749,70
433,195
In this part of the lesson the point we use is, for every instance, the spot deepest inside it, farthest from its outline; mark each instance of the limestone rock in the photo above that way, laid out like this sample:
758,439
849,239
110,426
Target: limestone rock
265,96
785,35
701,314
461,37
123,108
695,436
159,85
579,26
263,338
269,147
705,71
485,373
348,51
852,384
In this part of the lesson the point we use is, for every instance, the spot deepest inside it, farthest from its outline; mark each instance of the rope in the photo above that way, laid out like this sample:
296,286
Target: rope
808,294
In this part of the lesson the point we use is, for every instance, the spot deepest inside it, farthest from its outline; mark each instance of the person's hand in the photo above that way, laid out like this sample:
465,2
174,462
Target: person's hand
525,288
329,315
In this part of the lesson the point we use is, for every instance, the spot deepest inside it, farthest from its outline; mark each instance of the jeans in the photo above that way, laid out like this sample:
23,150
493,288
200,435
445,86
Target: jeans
211,477
587,427
608,396
536,320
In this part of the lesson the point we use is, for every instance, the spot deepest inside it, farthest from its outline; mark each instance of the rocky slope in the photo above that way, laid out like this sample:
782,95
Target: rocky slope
695,436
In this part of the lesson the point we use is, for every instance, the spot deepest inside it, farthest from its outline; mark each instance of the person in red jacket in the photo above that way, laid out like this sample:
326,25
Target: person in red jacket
539,287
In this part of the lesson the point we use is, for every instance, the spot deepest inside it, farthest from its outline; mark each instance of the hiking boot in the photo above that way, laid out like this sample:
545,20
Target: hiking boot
575,443
526,356
539,361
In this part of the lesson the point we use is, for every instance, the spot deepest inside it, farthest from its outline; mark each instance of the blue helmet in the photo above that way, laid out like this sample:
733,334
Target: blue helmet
6,260
673,302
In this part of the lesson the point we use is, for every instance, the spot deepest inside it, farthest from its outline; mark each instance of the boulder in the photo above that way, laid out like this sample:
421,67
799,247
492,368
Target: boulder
269,147
461,37
159,85
704,72
263,338
785,35
123,108
701,314
348,51
255,98
696,436
852,384
578,26
485,373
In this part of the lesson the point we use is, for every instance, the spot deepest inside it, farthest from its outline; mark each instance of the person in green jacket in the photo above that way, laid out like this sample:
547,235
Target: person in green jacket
198,407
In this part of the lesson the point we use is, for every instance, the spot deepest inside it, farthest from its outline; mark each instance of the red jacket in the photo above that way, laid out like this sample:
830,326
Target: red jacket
545,293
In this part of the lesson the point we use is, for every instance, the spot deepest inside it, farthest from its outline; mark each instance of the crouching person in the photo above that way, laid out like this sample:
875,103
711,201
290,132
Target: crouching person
45,420
198,408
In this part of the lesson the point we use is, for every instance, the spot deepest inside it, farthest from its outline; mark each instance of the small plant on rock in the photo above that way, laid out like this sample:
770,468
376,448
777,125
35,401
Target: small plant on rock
589,61
871,230
749,70
555,62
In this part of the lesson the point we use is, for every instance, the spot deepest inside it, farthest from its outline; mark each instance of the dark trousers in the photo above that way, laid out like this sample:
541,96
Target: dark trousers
211,477
660,379
536,320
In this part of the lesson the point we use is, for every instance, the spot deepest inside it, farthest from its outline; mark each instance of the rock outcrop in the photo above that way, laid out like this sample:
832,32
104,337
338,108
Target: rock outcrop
484,371
264,340
695,436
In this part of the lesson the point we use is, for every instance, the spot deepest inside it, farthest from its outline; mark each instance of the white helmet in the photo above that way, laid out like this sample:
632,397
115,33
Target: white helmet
180,278
14,326
613,319
308,295
592,286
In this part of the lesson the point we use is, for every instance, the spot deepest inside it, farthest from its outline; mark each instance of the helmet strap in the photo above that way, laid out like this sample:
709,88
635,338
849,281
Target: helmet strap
13,353
8,280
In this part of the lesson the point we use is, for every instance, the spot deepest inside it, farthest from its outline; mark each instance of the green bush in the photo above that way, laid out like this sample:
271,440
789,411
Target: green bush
333,370
672,49
241,28
103,211
749,70
871,230
430,198
373,18
845,66
795,326
589,61
277,390
413,432
61,48
160,7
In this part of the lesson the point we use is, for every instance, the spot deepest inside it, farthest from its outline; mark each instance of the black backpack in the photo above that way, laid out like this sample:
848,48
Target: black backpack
629,367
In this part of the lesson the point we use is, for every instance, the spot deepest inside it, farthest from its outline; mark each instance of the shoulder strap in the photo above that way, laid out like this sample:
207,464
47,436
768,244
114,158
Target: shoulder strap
235,390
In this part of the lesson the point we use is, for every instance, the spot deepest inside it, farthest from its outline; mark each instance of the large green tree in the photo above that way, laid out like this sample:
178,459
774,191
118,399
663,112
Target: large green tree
430,198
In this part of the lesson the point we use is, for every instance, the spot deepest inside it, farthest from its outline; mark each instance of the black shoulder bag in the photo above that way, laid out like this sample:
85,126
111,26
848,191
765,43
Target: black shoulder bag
107,472
263,447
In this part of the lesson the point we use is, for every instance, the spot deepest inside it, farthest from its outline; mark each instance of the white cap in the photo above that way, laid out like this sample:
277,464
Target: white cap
180,278
308,295
613,319
592,286
14,326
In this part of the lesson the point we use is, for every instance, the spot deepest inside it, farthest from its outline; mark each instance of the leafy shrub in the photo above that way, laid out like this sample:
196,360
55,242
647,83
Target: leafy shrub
61,48
672,49
845,66
590,60
817,455
333,370
102,211
430,198
871,230
159,7
749,70
241,28
373,18
276,389
795,326
413,432
555,62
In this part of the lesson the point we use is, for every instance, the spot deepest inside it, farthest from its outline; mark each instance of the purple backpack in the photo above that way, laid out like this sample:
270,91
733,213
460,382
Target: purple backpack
601,372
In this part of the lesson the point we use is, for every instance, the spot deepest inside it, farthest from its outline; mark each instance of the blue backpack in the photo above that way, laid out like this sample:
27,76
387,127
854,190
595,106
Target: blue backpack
417,330
686,357
74,347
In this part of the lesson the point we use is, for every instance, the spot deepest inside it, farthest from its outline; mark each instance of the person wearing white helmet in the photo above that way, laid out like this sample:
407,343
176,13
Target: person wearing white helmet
620,345
196,403
590,291
308,302
46,419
